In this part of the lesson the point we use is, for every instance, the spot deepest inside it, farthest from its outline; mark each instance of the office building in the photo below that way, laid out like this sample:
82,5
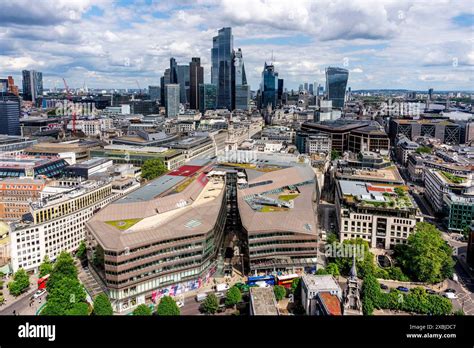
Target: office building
154,92
184,83
31,166
208,95
280,92
269,86
241,93
16,195
164,80
336,82
222,65
380,214
196,79
460,211
277,211
444,130
14,145
56,222
32,85
405,147
321,295
172,100
140,265
173,78
9,116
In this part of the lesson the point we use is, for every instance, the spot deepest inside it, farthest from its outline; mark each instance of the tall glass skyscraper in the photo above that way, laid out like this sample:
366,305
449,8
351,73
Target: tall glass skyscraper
221,71
196,78
241,88
32,85
9,115
208,96
269,86
172,100
336,82
183,81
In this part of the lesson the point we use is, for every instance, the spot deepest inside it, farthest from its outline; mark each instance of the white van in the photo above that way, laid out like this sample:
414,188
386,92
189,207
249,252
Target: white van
222,287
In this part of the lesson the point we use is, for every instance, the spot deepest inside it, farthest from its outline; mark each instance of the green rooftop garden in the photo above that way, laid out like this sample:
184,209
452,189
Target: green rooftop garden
453,178
271,209
123,224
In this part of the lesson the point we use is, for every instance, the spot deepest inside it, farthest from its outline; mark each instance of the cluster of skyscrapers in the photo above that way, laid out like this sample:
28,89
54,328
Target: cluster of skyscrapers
184,84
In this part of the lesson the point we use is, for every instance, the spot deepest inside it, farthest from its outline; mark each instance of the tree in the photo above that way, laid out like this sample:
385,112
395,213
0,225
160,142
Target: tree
102,305
64,297
21,281
371,291
423,149
233,296
295,285
210,304
80,308
46,267
280,292
167,306
81,251
64,267
332,268
321,271
153,168
335,155
426,257
142,309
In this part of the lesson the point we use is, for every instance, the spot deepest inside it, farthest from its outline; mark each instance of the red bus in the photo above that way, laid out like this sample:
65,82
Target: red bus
286,280
42,282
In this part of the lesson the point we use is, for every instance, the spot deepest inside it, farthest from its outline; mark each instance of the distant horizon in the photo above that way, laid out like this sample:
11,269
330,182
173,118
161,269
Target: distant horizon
128,43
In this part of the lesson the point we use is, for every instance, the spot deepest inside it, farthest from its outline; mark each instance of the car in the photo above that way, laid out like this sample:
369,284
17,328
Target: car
383,286
222,287
403,289
450,295
39,293
201,297
179,304
450,290
431,292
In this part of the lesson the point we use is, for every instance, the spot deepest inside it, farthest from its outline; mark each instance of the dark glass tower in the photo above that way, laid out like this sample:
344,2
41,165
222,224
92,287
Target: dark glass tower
269,86
196,78
280,91
336,82
10,115
221,73
208,96
183,81
32,85
173,71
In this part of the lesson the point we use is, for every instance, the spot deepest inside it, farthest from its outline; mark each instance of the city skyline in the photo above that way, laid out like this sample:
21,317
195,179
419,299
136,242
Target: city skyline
382,44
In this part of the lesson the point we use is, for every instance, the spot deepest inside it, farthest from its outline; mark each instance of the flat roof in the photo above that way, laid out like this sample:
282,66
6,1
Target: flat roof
152,189
319,283
91,163
263,301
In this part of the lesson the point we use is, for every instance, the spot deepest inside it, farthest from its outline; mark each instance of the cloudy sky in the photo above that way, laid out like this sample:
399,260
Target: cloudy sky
115,43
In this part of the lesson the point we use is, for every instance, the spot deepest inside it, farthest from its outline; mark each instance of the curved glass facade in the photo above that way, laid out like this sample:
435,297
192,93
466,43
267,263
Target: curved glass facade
336,82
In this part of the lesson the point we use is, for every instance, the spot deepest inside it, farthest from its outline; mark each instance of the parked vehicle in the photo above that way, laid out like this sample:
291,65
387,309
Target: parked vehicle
431,292
383,287
201,297
403,289
222,287
455,277
450,295
39,293
450,290
179,304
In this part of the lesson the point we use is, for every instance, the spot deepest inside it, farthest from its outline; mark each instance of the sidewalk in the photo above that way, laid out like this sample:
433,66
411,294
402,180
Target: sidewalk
10,299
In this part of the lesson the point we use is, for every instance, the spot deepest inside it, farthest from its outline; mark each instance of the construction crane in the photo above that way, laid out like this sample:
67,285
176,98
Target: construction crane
69,97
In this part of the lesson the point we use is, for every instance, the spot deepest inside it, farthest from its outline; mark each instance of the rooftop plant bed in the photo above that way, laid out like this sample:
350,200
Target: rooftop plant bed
123,224
453,178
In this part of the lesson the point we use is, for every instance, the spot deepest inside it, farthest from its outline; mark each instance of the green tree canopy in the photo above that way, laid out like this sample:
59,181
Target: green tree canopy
142,309
332,268
102,305
210,304
46,267
21,281
295,284
233,296
426,257
153,168
64,267
280,292
80,308
167,306
81,251
64,296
